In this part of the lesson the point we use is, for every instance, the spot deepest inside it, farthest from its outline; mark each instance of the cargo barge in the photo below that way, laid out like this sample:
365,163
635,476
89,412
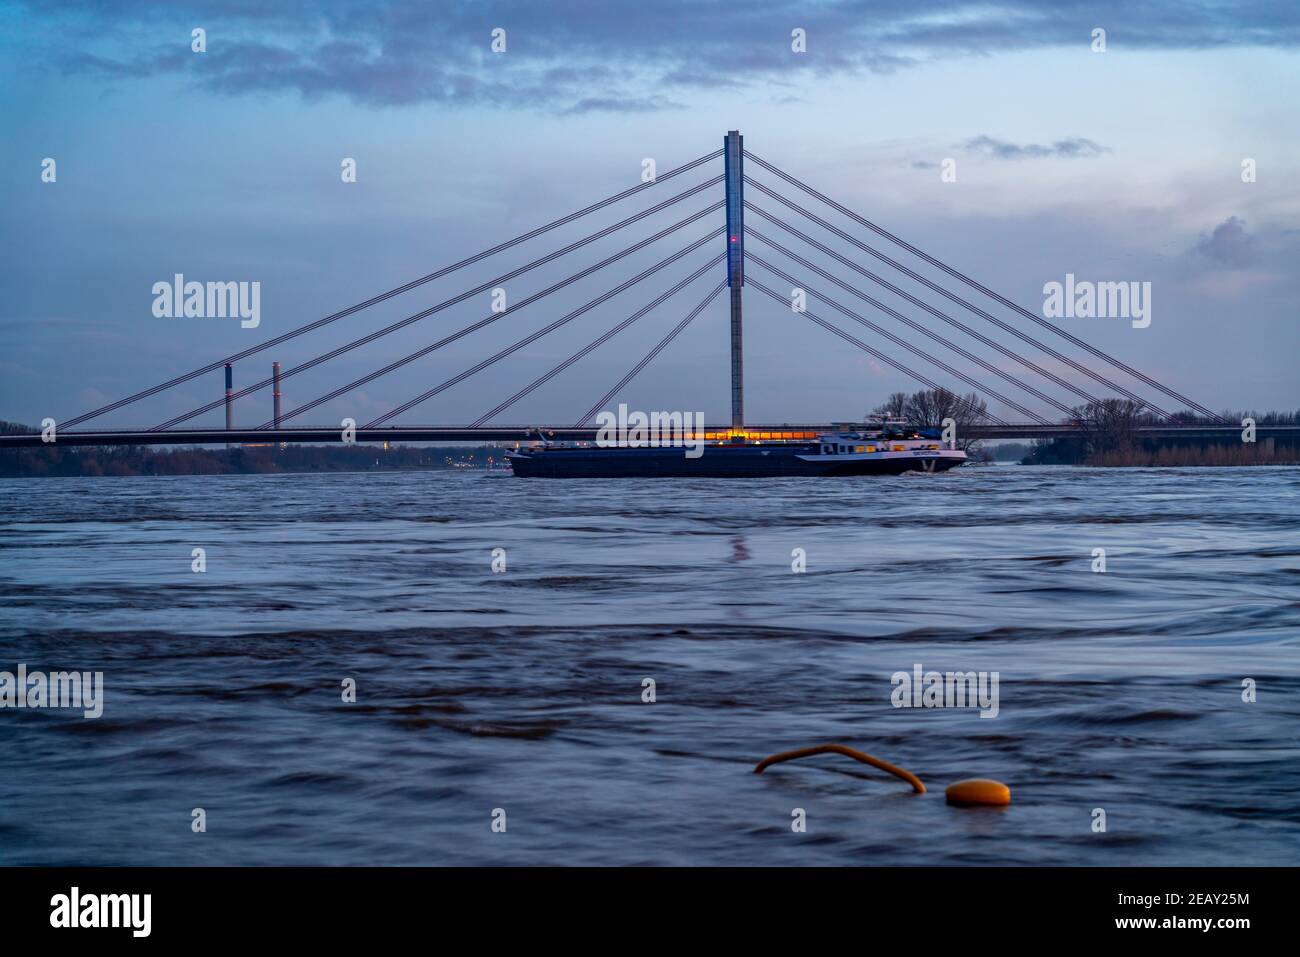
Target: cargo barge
856,452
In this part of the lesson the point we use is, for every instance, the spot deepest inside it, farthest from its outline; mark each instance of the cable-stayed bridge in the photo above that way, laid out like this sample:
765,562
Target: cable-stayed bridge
786,217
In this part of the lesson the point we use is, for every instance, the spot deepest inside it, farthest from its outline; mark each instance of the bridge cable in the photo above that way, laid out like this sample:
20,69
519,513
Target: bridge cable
423,314
626,284
446,270
596,343
955,298
879,355
750,231
970,331
848,337
650,356
880,231
880,330
474,327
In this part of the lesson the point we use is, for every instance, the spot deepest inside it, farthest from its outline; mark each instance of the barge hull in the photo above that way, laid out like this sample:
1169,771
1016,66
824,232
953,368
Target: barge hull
717,462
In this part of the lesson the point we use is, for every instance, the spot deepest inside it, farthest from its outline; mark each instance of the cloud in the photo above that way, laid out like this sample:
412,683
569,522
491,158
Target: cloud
576,56
90,397
1070,148
616,104
1232,285
1229,244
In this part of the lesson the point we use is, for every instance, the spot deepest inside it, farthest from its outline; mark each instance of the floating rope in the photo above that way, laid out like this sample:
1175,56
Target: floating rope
898,772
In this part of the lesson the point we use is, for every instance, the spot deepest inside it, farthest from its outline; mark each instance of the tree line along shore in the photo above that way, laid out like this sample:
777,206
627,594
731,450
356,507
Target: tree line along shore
1109,439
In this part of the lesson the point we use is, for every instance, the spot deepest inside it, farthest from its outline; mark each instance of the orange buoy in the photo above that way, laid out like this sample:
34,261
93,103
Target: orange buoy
975,792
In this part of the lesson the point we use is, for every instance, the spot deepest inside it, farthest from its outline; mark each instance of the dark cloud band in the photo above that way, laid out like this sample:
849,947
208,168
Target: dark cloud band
579,56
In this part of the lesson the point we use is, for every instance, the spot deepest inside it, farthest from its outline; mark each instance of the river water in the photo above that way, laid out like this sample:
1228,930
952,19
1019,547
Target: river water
517,695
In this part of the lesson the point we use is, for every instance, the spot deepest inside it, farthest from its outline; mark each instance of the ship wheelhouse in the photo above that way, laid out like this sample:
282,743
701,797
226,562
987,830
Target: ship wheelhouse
889,437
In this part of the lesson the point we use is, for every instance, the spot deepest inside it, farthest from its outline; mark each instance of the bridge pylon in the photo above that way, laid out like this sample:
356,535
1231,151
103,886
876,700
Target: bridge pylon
733,156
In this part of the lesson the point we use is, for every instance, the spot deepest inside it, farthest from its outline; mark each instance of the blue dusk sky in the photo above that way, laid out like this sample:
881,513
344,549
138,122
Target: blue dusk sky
1117,166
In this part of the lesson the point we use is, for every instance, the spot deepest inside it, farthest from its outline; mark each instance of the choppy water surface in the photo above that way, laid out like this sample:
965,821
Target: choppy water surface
522,690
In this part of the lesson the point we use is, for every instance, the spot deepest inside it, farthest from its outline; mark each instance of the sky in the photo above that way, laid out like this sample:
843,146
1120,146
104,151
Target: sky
1115,165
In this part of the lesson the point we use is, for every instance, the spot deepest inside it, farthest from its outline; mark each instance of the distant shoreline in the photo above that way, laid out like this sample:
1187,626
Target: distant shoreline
134,461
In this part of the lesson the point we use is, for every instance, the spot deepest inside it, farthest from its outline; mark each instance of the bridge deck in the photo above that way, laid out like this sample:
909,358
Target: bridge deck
326,434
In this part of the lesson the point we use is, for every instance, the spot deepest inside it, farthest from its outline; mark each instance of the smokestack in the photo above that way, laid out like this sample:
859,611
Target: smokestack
275,390
230,399
275,394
